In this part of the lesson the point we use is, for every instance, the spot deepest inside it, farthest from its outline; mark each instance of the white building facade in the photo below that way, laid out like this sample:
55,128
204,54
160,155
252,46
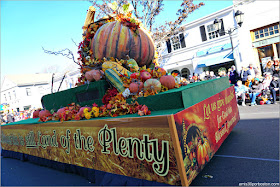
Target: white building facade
200,47
22,92
259,35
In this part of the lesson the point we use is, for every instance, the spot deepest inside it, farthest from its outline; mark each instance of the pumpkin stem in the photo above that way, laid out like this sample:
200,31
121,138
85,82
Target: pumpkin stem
202,141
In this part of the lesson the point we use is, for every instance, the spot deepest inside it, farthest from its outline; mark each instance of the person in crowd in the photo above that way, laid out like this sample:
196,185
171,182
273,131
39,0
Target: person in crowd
269,68
249,81
240,91
222,73
258,72
265,84
276,61
252,70
201,76
233,75
207,75
10,117
244,74
212,75
5,118
2,121
276,71
274,87
194,78
254,91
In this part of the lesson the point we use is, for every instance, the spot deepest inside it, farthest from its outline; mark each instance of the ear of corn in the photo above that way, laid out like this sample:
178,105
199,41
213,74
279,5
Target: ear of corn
114,79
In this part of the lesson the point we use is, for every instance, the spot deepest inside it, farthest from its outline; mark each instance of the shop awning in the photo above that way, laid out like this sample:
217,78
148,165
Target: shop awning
215,60
213,49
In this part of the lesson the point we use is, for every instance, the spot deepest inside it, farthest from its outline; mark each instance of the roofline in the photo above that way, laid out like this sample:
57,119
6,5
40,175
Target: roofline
210,16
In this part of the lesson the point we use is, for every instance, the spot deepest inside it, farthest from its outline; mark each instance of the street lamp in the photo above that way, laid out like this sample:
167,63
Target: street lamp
239,16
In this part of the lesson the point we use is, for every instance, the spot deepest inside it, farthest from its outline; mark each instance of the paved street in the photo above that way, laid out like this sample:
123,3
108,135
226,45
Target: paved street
249,154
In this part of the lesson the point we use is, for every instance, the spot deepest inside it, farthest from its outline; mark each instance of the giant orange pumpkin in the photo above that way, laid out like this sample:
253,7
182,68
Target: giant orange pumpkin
202,152
116,40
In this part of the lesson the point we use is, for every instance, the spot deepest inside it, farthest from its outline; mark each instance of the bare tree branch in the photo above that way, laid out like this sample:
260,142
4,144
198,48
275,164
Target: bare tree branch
65,52
74,42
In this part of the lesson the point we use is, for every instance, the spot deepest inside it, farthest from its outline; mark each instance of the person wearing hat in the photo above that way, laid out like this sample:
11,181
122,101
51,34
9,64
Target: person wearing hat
274,87
254,91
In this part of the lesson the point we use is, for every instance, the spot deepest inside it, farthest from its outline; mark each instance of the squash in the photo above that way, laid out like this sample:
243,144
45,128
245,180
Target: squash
44,114
121,71
94,75
132,64
114,79
202,152
116,40
136,87
167,81
152,85
36,113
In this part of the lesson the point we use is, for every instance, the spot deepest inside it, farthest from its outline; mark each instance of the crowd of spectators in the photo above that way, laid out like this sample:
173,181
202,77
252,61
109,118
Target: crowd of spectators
250,83
13,116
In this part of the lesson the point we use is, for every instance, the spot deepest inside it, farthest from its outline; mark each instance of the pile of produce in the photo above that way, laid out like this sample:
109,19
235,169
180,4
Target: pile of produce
121,51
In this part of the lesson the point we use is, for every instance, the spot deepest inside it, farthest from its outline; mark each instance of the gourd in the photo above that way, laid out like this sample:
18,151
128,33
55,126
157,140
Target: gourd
118,41
132,64
168,81
36,113
152,85
114,79
94,75
44,113
121,71
136,87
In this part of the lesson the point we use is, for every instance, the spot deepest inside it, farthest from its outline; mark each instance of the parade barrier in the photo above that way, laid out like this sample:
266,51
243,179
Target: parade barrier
169,147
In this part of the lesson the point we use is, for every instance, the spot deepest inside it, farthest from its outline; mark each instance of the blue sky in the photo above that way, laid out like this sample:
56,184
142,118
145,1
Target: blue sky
27,26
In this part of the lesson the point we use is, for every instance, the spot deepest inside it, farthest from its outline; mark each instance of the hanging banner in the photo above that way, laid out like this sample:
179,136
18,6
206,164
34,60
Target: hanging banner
135,147
203,127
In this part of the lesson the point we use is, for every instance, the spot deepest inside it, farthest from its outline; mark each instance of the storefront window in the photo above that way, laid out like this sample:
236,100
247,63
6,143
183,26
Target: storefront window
265,53
266,32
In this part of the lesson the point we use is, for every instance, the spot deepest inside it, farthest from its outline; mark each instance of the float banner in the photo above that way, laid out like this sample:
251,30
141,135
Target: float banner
203,127
138,147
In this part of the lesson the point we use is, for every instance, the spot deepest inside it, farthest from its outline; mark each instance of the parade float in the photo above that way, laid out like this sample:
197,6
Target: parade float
127,122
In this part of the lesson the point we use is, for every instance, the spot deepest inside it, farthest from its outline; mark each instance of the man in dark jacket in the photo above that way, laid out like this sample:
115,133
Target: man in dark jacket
274,87
233,75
